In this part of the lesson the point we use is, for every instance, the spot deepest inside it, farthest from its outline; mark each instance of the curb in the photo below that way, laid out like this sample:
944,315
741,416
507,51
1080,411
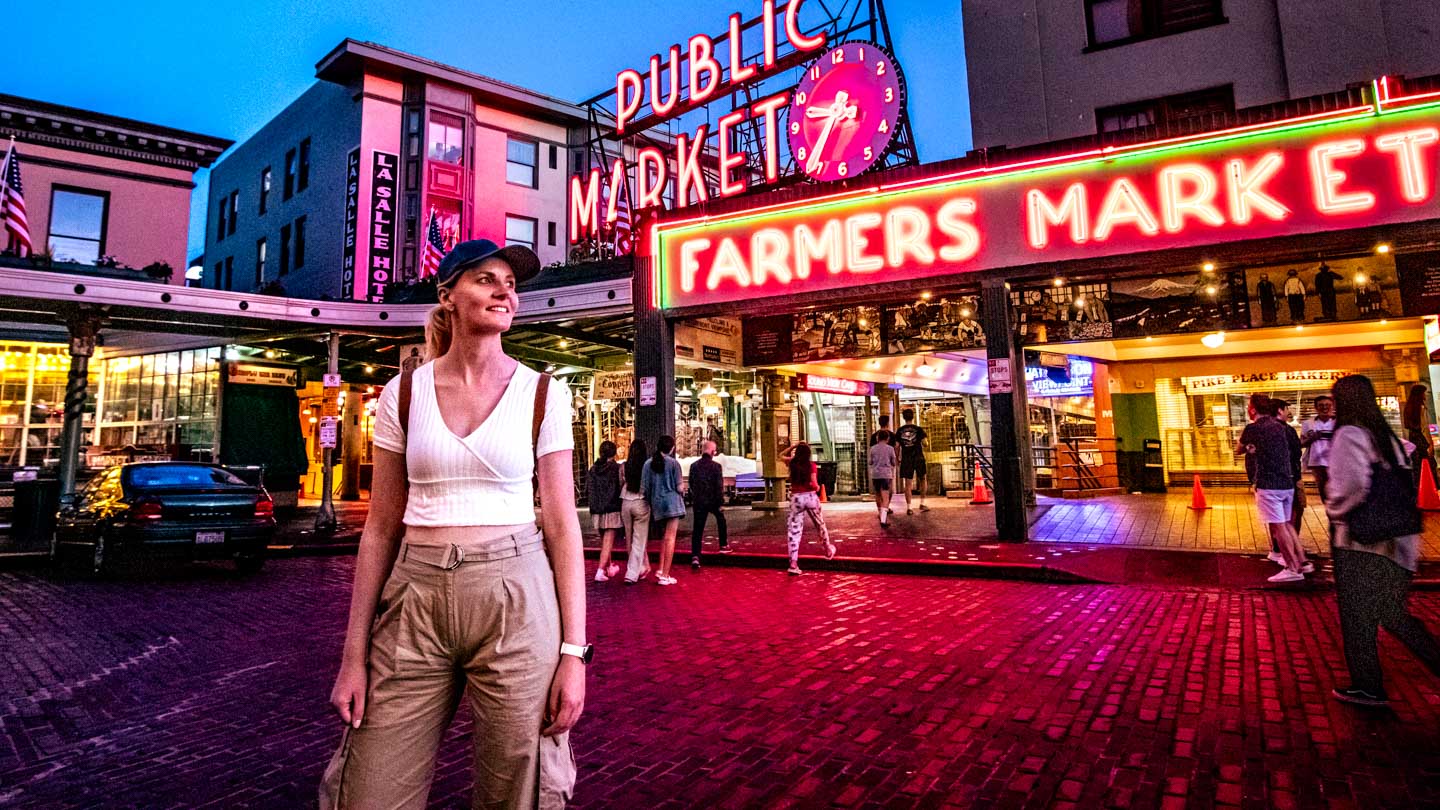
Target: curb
971,569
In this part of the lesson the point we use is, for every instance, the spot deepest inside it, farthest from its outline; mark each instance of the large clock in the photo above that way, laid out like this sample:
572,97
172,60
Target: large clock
845,111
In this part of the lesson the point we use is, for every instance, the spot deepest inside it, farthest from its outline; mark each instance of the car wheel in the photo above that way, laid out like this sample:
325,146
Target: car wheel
249,563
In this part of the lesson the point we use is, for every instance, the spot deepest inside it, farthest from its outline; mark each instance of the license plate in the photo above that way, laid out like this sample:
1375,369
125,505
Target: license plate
202,538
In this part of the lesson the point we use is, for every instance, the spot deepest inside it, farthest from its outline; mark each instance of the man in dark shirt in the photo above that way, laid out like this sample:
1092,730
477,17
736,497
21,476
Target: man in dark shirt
911,439
707,493
1276,449
884,423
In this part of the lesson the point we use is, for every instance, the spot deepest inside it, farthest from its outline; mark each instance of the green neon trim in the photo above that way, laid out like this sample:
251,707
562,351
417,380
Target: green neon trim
1113,159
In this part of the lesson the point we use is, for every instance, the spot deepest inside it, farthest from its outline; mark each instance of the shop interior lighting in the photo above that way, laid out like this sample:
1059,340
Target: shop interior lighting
708,390
1382,248
864,323
1214,340
369,369
1299,327
564,344
754,392
1359,278
549,367
313,420
1208,267
925,296
231,354
725,394
1211,289
1059,282
270,354
964,312
1079,302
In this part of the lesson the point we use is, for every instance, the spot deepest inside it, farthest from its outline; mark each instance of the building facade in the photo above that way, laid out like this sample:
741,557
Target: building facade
1050,70
333,198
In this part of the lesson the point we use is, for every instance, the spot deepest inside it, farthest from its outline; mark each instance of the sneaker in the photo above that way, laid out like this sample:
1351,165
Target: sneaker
884,524
600,575
1276,557
909,511
726,550
612,570
924,508
1360,697
1307,568
695,563
661,580
794,570
1288,576
830,551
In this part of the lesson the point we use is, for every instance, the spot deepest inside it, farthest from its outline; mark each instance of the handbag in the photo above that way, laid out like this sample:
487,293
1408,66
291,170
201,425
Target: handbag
1389,509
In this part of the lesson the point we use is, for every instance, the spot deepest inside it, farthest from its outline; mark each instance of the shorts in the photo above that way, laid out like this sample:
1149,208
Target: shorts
880,484
609,520
1274,504
912,467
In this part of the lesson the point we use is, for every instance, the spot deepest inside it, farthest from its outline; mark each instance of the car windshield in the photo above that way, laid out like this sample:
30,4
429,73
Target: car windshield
162,476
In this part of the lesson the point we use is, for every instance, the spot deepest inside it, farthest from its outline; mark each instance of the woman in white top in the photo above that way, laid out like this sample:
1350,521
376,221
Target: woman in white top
454,590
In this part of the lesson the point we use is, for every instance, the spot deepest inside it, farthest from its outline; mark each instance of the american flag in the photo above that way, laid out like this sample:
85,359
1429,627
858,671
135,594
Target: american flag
622,219
12,204
434,249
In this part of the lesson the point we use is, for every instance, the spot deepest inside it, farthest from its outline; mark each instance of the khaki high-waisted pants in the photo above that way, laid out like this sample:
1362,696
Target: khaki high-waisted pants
482,622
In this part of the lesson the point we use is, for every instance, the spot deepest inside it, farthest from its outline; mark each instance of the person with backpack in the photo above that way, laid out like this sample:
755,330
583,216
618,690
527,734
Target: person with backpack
804,476
1375,538
665,490
602,488
458,593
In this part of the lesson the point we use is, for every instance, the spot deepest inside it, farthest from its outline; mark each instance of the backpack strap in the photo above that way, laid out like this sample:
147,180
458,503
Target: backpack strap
542,393
407,380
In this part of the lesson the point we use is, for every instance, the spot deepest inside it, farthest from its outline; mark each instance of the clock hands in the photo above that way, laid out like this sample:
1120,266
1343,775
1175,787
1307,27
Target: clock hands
839,110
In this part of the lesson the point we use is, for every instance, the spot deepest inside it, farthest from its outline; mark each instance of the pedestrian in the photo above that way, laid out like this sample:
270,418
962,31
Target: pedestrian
635,514
1277,470
1281,409
1295,296
882,474
457,591
804,502
884,427
1315,437
1375,536
1416,421
911,439
662,484
1257,407
707,493
602,488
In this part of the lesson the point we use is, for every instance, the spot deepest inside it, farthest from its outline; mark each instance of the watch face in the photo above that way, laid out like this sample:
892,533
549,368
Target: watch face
845,111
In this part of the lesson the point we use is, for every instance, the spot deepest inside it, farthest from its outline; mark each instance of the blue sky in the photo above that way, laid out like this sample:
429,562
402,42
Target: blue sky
224,69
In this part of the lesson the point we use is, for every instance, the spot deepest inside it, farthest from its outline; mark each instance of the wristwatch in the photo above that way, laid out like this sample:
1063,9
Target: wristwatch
582,651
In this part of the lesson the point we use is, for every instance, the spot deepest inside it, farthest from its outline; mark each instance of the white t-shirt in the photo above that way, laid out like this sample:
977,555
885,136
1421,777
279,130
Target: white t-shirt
482,479
1318,453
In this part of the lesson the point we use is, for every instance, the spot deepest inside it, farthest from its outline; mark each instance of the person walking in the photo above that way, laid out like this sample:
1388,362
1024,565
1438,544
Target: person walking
663,486
1257,407
1315,437
882,474
707,493
1277,470
1281,410
635,513
457,592
884,427
1375,540
804,502
911,439
1416,421
602,488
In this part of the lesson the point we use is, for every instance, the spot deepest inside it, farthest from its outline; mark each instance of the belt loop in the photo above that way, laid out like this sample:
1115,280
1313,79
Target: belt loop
459,557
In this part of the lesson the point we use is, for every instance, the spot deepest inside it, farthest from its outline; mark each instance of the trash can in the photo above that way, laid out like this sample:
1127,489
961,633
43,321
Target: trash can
828,471
1152,478
36,503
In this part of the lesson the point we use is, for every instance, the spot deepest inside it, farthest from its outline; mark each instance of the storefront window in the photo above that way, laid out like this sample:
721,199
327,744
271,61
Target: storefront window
162,400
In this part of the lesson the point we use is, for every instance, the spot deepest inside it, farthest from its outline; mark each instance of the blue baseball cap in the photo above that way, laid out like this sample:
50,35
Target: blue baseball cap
521,259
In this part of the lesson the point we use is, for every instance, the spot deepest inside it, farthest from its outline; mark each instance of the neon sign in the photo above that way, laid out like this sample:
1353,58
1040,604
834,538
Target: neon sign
833,385
1351,168
845,111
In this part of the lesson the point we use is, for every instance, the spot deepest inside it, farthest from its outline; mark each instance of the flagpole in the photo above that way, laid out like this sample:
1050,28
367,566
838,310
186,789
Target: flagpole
10,240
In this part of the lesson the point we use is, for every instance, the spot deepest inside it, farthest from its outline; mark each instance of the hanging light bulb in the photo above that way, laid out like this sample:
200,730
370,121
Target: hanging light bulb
753,392
1214,340
725,394
708,390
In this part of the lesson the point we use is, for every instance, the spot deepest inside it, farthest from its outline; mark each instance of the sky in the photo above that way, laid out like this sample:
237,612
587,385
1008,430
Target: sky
224,69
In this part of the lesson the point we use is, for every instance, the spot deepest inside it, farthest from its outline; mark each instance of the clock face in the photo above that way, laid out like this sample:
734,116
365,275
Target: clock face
845,111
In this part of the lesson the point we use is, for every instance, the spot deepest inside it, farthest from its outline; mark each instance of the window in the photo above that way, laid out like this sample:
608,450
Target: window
299,243
289,175
265,189
520,231
554,155
220,225
234,212
550,233
259,263
1113,22
1169,113
77,224
229,272
219,275
303,181
284,250
522,159
447,138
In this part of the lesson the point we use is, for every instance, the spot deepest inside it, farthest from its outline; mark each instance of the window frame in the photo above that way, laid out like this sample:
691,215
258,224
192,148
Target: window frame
267,180
104,215
1154,29
533,167
535,230
285,241
302,180
230,272
445,117
261,249
289,190
1163,108
297,235
234,211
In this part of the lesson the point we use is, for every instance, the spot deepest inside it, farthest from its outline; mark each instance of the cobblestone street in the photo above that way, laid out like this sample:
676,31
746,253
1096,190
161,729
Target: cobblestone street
745,688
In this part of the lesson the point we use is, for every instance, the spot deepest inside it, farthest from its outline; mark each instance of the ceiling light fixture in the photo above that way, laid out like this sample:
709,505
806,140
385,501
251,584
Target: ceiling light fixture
1214,340
1208,267
1383,247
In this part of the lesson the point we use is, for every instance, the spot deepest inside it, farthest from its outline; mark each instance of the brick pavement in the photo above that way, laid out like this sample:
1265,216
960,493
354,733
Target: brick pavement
198,688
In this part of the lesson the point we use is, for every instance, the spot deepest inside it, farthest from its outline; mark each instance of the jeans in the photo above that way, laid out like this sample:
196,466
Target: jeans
635,516
1371,591
697,533
803,505
486,628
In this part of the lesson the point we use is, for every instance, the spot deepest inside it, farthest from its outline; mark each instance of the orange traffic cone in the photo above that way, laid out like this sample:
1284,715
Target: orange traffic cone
1197,496
1429,499
823,498
982,493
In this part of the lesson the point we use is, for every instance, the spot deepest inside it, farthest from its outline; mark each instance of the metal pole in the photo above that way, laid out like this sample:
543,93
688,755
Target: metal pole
325,518
83,324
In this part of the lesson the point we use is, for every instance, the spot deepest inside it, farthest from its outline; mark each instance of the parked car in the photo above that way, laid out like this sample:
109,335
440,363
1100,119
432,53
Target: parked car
171,508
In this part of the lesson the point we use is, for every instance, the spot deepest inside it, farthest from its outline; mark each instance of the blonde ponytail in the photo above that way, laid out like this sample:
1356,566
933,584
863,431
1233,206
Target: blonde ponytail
439,331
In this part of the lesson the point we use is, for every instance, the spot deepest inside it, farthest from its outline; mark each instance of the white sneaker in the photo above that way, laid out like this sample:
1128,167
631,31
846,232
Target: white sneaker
1307,568
659,580
612,570
1288,576
1276,557
600,575
794,570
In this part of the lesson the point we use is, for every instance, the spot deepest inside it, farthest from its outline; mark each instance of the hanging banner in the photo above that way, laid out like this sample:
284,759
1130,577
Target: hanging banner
614,385
352,224
383,172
